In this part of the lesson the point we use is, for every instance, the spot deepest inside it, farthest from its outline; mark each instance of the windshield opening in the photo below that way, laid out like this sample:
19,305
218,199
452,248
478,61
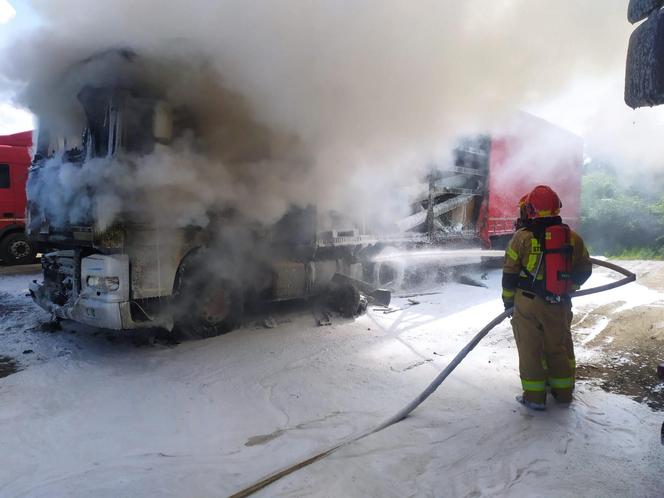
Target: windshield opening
55,138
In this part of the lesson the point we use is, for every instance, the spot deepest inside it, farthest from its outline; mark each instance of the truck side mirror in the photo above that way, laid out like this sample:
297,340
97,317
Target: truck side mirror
162,122
644,77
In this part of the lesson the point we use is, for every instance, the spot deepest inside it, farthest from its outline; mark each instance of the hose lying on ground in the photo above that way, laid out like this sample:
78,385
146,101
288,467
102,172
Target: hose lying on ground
405,411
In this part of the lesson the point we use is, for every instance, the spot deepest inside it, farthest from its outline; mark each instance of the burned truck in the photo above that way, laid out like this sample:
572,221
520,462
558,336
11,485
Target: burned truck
107,189
157,190
474,196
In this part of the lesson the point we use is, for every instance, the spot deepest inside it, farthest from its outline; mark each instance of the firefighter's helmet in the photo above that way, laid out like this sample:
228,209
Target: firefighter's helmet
543,202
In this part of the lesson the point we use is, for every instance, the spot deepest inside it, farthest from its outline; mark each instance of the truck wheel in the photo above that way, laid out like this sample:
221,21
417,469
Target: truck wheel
346,299
206,307
388,275
16,249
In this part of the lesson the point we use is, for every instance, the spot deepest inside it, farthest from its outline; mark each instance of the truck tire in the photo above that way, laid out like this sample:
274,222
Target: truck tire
346,300
16,249
205,306
388,274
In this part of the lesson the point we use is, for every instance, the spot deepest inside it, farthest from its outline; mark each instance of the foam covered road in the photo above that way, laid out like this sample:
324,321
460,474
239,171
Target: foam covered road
95,415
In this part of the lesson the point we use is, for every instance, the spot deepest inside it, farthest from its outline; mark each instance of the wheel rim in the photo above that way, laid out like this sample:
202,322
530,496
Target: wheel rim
387,274
19,249
216,306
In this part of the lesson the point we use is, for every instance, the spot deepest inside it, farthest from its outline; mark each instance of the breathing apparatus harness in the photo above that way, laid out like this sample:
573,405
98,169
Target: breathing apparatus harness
554,241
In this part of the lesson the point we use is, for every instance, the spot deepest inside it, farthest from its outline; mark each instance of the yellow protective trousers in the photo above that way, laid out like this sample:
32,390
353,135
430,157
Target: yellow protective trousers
544,341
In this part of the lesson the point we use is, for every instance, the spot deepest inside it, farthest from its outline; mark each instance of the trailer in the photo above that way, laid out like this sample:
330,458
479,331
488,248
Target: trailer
475,197
471,201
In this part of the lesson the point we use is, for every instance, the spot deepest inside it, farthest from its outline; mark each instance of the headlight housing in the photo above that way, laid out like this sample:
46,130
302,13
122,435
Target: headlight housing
103,284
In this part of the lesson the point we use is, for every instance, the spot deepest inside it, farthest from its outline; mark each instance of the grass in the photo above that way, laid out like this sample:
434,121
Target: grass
647,253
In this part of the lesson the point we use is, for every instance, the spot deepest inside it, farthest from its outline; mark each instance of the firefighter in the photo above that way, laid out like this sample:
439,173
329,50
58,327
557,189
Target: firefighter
522,220
544,261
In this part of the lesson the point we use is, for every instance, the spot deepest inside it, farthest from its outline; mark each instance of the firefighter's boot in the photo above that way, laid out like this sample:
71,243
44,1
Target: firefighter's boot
529,404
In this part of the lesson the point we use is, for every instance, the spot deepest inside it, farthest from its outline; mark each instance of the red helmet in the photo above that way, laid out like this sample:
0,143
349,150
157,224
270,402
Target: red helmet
543,202
522,201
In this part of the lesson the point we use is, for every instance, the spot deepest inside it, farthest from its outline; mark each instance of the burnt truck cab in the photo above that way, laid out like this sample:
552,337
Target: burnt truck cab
87,277
134,271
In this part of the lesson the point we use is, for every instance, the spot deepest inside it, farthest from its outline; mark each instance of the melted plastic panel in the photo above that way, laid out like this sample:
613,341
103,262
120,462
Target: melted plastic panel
644,78
638,10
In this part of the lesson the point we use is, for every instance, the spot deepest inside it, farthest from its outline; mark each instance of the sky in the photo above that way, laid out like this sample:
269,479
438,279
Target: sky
13,16
594,109
7,12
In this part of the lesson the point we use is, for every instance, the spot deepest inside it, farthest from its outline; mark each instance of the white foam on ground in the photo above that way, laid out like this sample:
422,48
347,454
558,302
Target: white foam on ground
109,419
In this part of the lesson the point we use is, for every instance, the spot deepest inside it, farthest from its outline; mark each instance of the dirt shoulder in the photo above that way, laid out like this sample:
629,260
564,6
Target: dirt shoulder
631,345
6,270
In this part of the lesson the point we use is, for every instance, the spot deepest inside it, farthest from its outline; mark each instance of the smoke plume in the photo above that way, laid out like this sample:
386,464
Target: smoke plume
335,103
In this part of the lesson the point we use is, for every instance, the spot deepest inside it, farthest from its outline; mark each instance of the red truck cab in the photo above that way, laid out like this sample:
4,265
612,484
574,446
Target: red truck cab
15,248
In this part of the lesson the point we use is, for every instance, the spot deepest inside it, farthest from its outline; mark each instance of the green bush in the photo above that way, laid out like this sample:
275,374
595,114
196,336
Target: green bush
620,218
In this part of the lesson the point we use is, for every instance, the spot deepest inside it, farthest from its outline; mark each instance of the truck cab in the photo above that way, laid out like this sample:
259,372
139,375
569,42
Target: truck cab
15,248
115,272
124,257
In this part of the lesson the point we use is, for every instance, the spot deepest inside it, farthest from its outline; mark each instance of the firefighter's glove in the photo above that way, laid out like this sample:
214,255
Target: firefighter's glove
509,306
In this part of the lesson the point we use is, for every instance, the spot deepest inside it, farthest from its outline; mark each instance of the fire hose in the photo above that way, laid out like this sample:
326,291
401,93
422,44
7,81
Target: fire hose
406,410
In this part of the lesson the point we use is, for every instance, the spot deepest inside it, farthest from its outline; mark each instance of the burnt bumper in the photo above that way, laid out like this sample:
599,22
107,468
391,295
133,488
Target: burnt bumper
115,316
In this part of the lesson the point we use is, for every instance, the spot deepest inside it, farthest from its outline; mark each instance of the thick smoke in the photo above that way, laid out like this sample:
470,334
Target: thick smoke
220,158
333,103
